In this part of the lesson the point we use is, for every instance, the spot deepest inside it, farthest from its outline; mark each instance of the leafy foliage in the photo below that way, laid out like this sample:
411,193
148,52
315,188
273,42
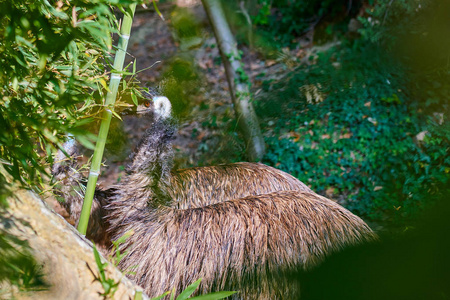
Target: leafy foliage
109,284
352,132
367,121
53,68
386,19
285,21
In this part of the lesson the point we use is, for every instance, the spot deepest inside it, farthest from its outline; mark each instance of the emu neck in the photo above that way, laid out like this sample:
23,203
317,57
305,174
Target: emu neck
152,162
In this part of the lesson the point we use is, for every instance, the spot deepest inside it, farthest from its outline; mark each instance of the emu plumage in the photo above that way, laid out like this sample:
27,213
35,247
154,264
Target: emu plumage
238,226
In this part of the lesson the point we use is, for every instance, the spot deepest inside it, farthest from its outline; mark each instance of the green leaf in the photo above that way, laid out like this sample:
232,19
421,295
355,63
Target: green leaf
123,238
106,286
116,115
161,296
172,295
134,98
214,296
98,260
124,85
85,142
138,295
127,66
157,10
189,290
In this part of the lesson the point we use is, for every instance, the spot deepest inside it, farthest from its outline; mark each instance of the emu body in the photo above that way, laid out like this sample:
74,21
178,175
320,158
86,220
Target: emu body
224,242
187,188
239,244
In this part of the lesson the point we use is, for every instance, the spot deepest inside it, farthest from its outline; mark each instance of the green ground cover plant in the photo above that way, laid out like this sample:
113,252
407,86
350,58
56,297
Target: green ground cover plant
367,121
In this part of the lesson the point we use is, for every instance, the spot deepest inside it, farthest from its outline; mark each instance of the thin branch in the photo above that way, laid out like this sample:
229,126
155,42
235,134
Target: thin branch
249,21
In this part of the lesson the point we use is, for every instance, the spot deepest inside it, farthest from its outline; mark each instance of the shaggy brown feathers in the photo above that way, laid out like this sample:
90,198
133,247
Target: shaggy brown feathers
222,241
248,238
197,187
237,226
189,188
70,188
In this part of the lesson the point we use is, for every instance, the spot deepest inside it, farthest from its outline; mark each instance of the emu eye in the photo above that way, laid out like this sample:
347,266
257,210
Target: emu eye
147,103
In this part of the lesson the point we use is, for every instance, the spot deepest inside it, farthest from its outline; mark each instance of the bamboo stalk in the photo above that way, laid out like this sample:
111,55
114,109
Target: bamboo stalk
107,114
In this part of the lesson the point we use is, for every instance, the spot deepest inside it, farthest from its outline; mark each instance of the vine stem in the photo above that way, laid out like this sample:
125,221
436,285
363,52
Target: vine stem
116,76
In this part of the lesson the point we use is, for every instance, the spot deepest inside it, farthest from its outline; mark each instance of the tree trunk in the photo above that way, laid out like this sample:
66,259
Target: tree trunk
237,80
66,257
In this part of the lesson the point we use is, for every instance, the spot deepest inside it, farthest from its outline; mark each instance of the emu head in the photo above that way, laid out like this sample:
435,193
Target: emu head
162,107
154,105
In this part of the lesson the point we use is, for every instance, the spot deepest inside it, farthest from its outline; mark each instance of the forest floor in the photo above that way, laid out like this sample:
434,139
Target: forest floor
207,117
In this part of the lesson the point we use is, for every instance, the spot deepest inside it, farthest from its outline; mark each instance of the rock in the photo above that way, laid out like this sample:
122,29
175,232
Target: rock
66,257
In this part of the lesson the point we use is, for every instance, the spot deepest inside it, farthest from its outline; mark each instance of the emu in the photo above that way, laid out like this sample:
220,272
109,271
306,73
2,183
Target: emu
252,238
184,230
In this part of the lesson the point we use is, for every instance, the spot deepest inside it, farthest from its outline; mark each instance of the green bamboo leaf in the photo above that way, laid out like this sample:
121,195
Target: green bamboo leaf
124,85
161,296
103,83
137,295
50,136
86,142
189,290
124,73
106,286
134,98
89,63
116,115
214,296
122,10
142,70
157,10
129,64
98,261
172,295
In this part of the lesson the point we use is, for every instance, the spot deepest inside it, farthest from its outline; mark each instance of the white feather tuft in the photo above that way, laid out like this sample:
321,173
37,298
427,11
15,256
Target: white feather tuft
163,107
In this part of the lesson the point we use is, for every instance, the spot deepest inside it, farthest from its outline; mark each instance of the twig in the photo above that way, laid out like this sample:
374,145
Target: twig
249,21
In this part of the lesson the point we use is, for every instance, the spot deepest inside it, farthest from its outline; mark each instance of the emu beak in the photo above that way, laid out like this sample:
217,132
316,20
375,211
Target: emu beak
129,111
143,110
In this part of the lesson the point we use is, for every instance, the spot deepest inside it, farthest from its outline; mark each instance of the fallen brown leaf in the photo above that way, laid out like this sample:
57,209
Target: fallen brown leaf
270,62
